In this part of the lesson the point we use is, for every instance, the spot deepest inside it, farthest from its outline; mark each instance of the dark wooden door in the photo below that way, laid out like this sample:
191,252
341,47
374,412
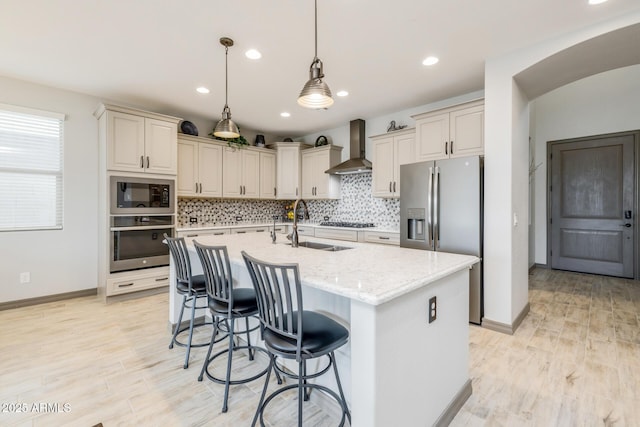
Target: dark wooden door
592,199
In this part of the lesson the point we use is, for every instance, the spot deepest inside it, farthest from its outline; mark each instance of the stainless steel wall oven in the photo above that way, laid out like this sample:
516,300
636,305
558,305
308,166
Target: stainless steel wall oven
136,242
142,211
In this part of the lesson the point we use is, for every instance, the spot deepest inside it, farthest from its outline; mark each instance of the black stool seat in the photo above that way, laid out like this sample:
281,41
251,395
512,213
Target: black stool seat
291,332
192,288
320,335
197,285
244,303
226,305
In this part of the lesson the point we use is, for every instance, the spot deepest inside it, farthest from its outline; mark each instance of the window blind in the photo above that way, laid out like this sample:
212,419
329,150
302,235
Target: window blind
31,169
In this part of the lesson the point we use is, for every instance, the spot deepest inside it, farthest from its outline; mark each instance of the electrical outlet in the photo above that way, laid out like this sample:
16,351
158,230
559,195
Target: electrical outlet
193,219
25,277
326,218
433,309
238,218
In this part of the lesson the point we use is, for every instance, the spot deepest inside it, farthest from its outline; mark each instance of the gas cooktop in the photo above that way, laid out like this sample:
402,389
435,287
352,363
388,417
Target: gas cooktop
347,224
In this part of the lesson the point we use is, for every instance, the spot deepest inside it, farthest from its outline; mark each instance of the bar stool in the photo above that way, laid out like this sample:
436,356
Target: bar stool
192,289
227,304
291,332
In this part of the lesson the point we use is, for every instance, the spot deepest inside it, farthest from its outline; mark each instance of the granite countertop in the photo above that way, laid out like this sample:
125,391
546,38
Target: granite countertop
217,226
373,274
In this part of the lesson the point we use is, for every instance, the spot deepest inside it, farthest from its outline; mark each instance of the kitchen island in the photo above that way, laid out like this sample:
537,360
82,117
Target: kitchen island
398,368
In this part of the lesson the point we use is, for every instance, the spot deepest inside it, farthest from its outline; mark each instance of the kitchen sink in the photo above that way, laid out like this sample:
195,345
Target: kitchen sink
322,246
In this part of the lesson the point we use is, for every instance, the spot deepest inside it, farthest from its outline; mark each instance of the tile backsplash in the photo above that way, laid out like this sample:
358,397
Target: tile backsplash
355,205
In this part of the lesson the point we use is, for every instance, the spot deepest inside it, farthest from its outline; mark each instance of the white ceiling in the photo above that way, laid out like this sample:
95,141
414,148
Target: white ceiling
154,53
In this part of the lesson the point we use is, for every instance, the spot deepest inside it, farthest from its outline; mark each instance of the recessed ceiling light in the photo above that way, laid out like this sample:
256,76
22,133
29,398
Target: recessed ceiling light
342,93
253,54
430,60
202,89
596,1
285,114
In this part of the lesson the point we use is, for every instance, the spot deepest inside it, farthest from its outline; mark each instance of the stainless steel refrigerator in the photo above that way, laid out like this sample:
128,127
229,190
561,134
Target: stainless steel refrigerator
441,210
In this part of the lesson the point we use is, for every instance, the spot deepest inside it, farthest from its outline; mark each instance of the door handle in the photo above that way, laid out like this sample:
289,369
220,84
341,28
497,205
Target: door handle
451,147
436,208
394,186
142,161
446,144
147,162
625,225
390,184
429,207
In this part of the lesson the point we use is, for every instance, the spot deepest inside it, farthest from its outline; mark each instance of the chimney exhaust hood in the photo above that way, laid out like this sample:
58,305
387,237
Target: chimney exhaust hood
356,163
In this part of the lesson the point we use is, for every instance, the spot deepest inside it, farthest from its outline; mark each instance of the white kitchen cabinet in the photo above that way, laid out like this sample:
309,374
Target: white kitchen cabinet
315,183
333,233
267,175
199,167
382,237
195,233
241,173
137,280
139,141
391,150
288,169
453,132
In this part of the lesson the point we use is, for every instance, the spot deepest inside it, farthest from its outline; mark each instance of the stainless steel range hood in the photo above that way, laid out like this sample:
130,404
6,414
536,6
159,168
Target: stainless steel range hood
356,163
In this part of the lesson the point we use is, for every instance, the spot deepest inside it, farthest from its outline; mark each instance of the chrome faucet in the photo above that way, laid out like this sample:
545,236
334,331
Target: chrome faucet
294,233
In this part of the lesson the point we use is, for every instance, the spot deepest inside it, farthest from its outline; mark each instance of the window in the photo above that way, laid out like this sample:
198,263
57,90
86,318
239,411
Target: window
31,143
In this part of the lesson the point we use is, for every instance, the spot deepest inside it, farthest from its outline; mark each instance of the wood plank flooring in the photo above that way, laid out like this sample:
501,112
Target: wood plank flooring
574,361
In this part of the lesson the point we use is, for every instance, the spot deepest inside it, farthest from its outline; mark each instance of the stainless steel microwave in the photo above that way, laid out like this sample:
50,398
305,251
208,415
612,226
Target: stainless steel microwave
141,196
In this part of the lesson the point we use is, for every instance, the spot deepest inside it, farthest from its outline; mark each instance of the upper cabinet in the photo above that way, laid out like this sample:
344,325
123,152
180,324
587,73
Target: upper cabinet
199,167
267,175
315,183
288,172
452,132
241,173
138,141
391,150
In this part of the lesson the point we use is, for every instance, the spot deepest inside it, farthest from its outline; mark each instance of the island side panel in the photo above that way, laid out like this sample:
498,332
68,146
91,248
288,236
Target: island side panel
406,371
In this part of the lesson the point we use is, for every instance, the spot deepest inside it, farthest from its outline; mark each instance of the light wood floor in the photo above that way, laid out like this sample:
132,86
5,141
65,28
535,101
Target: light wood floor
575,360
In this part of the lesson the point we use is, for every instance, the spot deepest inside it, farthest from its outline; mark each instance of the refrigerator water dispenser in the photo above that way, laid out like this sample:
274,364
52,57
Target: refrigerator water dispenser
415,224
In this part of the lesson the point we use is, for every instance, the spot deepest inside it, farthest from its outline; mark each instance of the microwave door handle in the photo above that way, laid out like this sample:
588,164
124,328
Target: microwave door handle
429,216
436,208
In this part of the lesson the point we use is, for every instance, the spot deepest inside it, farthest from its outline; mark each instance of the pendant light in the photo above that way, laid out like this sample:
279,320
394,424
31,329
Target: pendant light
315,93
226,128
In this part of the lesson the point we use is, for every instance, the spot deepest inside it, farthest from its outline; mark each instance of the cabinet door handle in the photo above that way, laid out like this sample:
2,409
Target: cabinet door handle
201,187
390,184
445,147
147,162
125,285
259,231
162,279
218,234
383,238
142,161
394,186
240,232
451,147
192,235
274,192
196,187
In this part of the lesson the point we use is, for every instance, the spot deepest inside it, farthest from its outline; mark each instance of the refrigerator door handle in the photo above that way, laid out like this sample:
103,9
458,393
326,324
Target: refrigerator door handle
436,212
429,213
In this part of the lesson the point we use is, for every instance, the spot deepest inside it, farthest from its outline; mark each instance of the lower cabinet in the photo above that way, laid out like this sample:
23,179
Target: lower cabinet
132,281
385,238
332,233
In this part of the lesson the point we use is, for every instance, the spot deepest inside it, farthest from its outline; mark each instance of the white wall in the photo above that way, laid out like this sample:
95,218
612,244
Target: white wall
506,115
59,260
604,103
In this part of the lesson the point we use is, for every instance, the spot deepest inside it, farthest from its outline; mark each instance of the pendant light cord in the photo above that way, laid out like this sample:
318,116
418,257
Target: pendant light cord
226,76
316,27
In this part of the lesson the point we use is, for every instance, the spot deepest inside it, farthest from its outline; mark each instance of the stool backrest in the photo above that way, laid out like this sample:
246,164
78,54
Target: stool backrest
217,272
279,295
180,255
